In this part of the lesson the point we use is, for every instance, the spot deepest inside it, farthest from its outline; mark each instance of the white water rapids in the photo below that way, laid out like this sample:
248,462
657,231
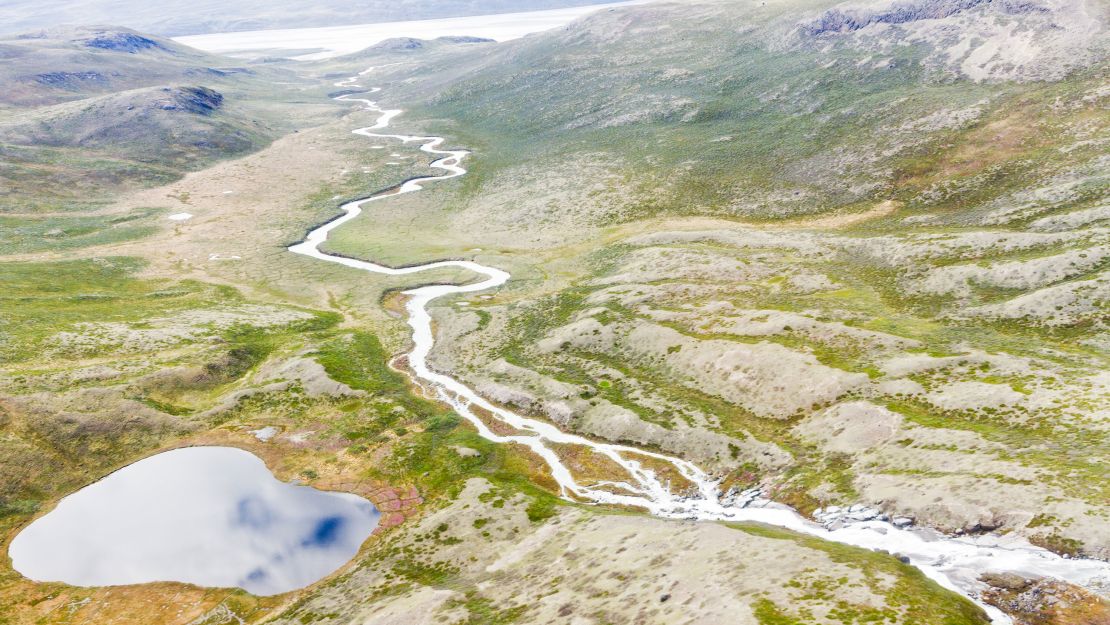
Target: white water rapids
953,562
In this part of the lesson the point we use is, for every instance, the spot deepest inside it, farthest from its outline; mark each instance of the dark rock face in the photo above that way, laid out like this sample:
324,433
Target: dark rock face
122,42
196,100
343,92
837,21
400,43
219,71
70,80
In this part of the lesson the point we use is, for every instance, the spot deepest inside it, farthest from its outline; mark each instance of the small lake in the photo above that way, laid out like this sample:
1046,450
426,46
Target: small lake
211,516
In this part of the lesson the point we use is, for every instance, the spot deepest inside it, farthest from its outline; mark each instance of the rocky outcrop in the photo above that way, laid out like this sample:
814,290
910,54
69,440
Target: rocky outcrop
1044,601
71,80
464,39
1018,40
847,20
122,41
399,43
404,44
196,100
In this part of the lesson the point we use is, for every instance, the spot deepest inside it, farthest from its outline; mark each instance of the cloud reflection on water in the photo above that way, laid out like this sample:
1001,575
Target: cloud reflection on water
212,516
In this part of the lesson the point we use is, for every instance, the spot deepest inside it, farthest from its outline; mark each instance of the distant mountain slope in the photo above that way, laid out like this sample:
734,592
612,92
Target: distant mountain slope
769,111
90,111
181,17
62,64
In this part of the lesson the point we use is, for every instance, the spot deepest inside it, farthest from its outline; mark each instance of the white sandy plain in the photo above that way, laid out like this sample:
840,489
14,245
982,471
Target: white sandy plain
334,41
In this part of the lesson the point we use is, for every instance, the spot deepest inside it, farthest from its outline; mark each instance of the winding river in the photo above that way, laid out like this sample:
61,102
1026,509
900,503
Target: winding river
953,562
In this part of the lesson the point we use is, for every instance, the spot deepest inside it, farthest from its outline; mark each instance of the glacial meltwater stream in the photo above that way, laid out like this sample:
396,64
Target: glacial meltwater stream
953,562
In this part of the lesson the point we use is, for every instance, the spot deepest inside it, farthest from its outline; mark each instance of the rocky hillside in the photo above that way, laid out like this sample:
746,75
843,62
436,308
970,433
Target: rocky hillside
169,126
977,39
783,109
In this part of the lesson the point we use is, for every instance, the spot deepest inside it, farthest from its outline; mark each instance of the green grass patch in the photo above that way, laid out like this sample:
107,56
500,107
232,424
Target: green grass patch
917,598
40,299
23,235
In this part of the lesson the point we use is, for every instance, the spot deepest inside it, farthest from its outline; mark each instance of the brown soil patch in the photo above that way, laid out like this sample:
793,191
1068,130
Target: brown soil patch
588,466
664,471
841,220
524,461
992,143
498,426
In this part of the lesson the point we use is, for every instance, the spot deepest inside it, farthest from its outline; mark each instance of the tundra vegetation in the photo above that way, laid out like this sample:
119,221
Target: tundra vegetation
848,255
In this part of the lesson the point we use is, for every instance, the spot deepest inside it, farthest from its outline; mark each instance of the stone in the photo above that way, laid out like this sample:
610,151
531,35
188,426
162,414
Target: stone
467,452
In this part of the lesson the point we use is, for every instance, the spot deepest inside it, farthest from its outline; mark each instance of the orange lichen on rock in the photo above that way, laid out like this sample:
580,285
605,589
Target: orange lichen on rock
1045,601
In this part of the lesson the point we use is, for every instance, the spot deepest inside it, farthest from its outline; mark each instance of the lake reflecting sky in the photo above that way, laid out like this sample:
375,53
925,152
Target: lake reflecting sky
212,516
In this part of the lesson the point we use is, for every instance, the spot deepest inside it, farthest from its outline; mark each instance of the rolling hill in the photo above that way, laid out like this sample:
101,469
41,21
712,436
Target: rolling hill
90,111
